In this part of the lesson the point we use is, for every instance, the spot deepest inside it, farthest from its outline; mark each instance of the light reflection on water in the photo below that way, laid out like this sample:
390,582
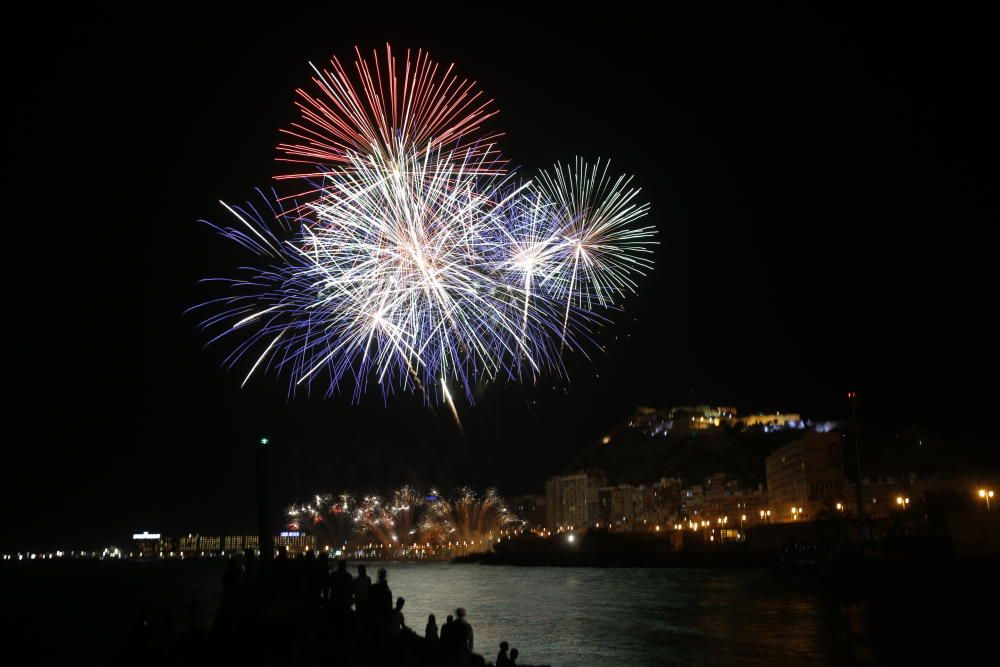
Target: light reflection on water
593,616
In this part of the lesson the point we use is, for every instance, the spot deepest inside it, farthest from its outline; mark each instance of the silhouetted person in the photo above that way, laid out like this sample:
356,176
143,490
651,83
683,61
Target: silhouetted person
321,575
362,587
396,621
381,596
250,567
232,580
281,569
431,631
341,587
503,660
513,657
447,630
462,631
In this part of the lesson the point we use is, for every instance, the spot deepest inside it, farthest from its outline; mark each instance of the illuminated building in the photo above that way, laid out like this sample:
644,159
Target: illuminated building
626,503
188,544
686,418
777,420
596,479
667,496
146,544
568,499
197,545
240,542
805,478
725,497
574,500
692,501
295,542
603,511
681,419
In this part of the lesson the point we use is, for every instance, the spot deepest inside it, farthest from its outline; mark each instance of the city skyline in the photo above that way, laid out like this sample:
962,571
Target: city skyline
817,482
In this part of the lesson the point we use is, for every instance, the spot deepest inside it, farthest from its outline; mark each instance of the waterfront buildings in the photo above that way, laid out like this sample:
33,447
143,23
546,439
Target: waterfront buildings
199,545
626,507
295,542
150,545
240,543
805,478
571,500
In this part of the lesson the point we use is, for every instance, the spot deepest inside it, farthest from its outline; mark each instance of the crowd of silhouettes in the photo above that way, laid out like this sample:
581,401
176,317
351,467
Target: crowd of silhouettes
301,610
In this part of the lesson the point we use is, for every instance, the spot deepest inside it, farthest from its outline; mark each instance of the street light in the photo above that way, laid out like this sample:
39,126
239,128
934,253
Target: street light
902,502
986,494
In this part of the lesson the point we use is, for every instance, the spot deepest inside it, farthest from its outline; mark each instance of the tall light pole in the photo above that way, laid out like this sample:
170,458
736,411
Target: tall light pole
265,529
853,397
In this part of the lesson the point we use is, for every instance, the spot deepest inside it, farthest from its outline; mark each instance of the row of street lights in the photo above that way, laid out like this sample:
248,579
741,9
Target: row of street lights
903,502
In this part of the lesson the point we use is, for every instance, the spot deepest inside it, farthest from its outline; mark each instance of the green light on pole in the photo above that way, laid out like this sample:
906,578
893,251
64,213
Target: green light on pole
264,441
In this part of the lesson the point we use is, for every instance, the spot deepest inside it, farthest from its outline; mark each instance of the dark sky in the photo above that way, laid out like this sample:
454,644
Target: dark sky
824,187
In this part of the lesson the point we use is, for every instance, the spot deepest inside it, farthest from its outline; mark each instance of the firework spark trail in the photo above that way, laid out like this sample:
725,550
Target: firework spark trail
414,261
451,404
601,250
385,105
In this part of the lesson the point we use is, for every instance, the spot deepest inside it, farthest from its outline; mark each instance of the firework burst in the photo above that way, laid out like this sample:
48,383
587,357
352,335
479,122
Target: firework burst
596,250
466,523
471,522
414,264
327,515
401,522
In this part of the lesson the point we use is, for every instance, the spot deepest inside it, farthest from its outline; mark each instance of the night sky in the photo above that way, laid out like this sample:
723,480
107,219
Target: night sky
824,186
